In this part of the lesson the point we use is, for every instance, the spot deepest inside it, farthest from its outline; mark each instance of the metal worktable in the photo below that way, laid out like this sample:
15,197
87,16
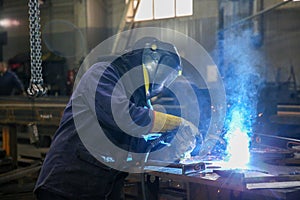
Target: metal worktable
16,111
170,183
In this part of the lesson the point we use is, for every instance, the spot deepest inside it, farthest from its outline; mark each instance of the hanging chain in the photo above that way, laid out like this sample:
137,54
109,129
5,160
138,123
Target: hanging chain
36,81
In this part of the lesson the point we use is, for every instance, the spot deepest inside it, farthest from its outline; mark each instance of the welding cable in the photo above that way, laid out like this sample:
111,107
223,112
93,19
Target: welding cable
162,122
117,176
165,124
152,145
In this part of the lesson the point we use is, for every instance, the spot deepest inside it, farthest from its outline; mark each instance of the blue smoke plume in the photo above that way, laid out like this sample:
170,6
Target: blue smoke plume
243,81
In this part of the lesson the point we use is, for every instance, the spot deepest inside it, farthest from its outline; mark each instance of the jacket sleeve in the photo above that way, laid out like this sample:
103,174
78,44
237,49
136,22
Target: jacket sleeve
115,110
17,82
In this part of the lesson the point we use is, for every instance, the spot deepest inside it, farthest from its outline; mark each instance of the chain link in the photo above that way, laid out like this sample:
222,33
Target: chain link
36,81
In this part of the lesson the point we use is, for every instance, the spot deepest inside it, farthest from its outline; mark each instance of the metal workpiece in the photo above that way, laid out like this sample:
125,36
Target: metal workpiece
184,169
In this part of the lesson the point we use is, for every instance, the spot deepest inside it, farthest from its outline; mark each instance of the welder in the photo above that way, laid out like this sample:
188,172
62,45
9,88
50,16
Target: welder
10,84
69,170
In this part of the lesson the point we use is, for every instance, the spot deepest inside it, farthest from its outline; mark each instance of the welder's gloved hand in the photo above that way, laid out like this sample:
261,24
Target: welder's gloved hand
165,122
206,147
209,144
184,140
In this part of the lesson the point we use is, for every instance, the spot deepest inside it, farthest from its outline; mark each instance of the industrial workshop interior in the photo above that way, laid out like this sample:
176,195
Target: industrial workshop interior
150,99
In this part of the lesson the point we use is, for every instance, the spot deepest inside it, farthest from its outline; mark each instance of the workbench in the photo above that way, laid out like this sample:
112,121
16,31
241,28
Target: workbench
44,113
165,183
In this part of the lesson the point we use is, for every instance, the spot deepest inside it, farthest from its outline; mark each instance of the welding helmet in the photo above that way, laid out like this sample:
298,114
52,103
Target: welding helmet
161,63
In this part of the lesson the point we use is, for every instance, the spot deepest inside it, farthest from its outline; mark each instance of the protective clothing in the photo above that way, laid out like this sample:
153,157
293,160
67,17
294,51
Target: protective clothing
189,133
161,66
162,62
69,169
10,84
165,122
186,133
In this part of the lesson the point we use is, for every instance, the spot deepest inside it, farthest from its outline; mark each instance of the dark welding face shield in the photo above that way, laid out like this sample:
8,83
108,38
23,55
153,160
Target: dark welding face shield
163,65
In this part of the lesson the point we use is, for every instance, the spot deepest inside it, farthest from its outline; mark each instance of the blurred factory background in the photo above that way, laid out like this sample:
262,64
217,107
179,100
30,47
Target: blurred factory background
261,37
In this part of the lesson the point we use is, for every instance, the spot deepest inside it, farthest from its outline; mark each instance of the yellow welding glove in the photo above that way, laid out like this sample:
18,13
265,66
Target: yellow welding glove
165,122
185,138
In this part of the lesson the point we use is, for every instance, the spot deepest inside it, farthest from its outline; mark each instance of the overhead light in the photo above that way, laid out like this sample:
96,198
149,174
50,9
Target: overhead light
9,23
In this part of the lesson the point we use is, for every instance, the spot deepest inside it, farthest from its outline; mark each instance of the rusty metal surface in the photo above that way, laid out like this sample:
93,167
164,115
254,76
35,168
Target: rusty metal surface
234,180
23,110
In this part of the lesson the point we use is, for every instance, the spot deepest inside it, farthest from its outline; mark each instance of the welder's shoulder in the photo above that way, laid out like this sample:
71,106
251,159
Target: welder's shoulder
99,69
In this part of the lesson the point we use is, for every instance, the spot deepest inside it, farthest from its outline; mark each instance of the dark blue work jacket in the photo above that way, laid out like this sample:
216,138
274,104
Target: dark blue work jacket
10,83
69,169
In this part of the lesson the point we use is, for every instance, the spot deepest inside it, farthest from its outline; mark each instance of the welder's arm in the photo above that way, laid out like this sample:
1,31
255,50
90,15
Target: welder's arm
165,122
185,138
